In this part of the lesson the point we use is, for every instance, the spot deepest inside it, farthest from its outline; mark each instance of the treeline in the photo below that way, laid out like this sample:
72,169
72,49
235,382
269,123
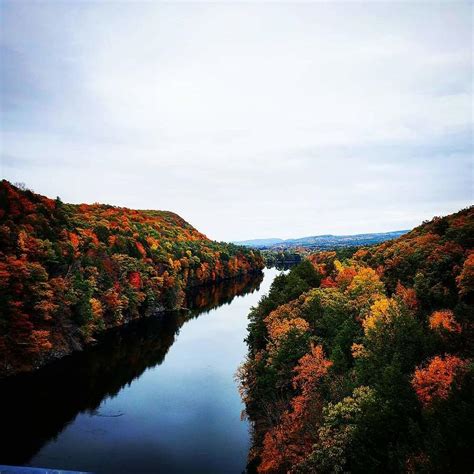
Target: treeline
69,271
365,363
284,259
281,258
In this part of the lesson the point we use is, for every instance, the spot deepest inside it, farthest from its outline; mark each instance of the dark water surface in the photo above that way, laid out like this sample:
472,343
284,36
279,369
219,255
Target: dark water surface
157,396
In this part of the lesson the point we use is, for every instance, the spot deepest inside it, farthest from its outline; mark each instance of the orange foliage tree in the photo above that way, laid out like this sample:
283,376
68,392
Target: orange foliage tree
434,381
444,319
291,440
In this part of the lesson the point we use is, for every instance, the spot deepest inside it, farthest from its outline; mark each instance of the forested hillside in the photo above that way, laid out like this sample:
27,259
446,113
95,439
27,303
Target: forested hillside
365,364
69,271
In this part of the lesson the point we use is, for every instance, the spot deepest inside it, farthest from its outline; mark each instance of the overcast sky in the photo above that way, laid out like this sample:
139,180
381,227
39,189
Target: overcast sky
248,120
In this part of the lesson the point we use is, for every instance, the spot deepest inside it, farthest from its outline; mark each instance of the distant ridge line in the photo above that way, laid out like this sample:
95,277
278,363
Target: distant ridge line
325,240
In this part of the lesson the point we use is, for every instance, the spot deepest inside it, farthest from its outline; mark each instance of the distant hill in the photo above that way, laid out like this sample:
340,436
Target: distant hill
260,243
323,241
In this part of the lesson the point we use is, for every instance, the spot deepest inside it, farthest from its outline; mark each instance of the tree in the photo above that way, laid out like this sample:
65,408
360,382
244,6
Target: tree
434,381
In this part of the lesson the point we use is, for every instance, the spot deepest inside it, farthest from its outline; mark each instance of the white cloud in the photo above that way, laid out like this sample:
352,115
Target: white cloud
248,119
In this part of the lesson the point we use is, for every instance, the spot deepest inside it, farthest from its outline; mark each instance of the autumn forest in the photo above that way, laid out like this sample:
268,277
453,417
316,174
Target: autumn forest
68,272
365,363
360,359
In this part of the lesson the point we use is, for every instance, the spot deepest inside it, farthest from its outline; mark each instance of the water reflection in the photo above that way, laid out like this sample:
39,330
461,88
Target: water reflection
35,408
284,266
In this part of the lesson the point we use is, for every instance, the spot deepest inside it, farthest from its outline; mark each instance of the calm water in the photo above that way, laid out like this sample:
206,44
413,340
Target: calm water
157,396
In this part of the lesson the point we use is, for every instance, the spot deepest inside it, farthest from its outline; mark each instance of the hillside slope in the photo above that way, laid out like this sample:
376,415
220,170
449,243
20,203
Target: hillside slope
69,271
366,364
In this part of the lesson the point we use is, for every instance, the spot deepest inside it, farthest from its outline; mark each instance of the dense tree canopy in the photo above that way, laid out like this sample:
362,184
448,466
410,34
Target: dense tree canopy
364,363
68,271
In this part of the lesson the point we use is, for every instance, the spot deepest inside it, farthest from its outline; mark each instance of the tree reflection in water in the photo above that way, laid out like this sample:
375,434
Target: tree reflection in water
36,407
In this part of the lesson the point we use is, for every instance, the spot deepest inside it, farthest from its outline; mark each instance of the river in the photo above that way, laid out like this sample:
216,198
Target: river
156,396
